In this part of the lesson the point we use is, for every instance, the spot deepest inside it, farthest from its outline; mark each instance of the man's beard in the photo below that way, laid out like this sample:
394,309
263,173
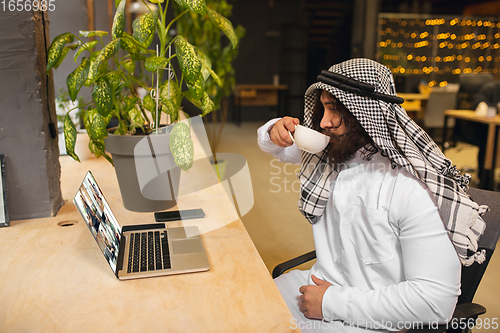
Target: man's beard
342,148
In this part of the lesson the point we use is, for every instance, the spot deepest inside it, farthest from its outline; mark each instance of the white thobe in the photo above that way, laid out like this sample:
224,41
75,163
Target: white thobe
382,245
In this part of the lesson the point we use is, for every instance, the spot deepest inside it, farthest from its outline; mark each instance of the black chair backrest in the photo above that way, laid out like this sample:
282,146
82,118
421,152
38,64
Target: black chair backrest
472,275
470,83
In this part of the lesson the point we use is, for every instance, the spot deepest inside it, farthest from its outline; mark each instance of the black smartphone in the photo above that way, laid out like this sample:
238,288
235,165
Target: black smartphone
175,215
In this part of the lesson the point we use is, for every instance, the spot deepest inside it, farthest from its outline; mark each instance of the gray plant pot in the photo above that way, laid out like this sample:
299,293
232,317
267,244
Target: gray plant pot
146,171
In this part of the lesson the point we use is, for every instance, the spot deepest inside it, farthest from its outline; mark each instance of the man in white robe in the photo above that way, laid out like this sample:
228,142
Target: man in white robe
378,199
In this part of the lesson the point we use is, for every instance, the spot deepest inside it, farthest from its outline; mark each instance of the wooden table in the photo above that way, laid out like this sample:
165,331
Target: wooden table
258,95
491,144
414,104
53,277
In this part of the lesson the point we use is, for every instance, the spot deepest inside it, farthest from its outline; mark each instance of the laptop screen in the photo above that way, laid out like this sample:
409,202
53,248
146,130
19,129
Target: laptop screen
96,212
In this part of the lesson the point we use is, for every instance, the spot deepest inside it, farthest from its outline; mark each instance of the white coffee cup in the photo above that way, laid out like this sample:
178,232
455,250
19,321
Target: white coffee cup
309,140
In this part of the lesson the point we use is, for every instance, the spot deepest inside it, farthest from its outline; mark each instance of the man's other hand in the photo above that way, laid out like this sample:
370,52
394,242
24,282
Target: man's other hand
312,298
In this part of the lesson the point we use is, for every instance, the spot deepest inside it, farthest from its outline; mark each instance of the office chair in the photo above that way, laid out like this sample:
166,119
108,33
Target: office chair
470,83
438,103
471,275
471,132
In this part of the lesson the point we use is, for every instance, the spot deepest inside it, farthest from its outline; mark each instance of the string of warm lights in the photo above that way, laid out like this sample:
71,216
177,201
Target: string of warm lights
441,21
439,45
444,44
438,59
445,70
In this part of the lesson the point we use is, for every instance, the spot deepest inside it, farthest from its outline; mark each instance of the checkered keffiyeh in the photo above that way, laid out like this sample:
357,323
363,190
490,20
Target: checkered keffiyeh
405,144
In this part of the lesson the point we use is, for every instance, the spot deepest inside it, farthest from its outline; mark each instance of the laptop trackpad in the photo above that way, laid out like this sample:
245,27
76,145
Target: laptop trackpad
183,246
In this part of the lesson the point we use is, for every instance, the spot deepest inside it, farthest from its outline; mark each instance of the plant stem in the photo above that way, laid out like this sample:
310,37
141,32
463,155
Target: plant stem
80,106
144,2
222,121
145,115
81,41
161,28
170,24
175,19
162,33
118,112
173,56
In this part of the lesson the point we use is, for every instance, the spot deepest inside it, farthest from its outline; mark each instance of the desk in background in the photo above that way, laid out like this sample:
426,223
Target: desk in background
487,182
258,95
414,104
53,278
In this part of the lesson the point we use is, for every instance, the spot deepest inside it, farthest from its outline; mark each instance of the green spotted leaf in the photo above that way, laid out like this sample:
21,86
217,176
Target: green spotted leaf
97,147
149,103
121,129
88,83
107,119
92,33
128,65
64,53
197,6
129,103
196,102
136,118
181,145
115,79
103,96
77,78
70,137
205,62
98,124
133,47
206,69
170,97
207,105
198,88
85,47
153,63
117,2
224,25
86,121
144,27
100,70
106,53
188,59
215,77
119,20
56,49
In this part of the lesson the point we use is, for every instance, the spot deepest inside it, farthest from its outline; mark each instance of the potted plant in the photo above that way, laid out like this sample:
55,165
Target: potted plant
208,38
112,70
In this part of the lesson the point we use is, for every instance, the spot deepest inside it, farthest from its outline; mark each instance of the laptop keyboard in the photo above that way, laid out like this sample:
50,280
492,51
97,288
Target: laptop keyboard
148,251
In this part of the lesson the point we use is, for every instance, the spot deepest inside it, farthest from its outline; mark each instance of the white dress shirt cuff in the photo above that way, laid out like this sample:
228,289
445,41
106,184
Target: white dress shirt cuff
334,304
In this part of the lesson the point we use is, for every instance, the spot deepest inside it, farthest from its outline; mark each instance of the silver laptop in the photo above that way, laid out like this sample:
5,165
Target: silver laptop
138,251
